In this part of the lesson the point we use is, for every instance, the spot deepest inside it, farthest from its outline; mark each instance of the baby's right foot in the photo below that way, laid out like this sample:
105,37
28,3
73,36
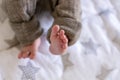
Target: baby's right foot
59,41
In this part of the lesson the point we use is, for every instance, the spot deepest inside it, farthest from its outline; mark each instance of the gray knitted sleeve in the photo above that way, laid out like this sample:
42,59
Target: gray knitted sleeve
22,20
67,15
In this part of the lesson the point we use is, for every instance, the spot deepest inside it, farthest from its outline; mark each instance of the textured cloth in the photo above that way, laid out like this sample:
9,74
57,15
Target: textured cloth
24,20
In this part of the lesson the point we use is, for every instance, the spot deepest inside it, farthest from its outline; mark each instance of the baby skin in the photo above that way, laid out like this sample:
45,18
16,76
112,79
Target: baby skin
58,45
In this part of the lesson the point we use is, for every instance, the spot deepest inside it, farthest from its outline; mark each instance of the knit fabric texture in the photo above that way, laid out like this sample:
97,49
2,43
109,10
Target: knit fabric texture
23,17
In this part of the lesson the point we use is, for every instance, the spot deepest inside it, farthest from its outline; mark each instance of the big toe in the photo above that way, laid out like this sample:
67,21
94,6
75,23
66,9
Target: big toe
55,30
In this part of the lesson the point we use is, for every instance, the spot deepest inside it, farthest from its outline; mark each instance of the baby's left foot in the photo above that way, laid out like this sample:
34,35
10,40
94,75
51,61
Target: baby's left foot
30,51
59,41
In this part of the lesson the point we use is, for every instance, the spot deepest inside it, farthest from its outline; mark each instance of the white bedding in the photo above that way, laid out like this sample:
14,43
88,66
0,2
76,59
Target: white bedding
95,56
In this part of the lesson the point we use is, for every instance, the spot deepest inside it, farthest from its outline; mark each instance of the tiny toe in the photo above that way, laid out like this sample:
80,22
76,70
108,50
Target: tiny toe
62,37
32,55
64,46
55,30
25,55
62,32
65,40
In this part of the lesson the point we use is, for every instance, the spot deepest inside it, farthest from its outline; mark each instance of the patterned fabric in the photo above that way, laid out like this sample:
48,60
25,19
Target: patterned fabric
90,47
66,61
104,73
29,71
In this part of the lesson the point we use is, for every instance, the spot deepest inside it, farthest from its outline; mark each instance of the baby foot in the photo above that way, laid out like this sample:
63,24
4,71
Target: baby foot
59,41
29,51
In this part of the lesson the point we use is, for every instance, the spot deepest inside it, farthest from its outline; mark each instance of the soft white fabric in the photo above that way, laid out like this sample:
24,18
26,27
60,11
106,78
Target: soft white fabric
95,56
